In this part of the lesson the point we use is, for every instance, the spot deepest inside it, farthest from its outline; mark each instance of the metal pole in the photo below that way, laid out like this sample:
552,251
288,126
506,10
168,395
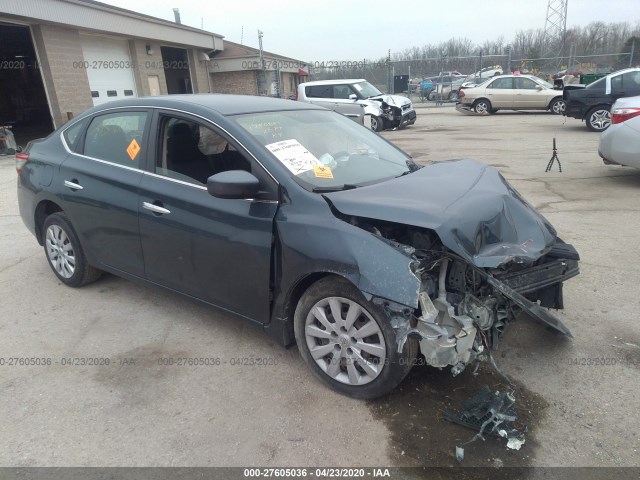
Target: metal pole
633,47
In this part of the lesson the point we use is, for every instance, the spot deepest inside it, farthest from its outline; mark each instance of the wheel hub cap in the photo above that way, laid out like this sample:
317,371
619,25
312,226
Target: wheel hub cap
345,341
60,251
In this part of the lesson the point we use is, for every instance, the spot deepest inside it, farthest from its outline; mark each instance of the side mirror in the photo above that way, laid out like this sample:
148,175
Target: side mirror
353,97
233,184
539,87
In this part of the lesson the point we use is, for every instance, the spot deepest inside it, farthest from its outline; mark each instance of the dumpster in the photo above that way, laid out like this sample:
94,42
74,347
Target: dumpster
587,78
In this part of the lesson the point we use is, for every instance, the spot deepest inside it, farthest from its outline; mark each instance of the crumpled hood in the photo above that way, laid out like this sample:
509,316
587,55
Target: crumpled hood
395,100
472,208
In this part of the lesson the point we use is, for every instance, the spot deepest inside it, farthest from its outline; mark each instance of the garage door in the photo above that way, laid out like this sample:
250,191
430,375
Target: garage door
109,68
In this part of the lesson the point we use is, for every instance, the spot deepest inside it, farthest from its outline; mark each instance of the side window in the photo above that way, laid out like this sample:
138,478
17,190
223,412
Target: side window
319,91
502,83
192,152
630,82
72,135
341,91
616,83
116,137
525,84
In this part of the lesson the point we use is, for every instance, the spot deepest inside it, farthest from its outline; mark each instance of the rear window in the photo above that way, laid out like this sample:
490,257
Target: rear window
116,137
72,135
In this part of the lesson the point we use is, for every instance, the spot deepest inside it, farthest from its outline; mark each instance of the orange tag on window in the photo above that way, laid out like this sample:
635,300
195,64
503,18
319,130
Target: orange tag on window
133,149
321,171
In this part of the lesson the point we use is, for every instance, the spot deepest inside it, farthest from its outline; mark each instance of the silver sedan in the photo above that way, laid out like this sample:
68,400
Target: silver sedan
620,143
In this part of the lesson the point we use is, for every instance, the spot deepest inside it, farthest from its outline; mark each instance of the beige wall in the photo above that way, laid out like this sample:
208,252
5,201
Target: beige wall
241,83
147,65
67,85
199,72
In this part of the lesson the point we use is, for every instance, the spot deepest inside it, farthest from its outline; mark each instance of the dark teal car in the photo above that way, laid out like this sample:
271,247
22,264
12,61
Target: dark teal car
299,221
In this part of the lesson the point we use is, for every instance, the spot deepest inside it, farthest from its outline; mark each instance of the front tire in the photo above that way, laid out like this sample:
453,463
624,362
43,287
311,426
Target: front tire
64,253
376,123
482,106
598,119
348,342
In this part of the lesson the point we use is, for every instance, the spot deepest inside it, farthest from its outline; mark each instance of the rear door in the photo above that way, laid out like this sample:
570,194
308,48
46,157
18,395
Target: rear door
100,180
217,250
501,92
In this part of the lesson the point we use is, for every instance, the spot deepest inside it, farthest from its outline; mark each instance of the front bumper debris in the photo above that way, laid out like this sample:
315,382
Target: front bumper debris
490,413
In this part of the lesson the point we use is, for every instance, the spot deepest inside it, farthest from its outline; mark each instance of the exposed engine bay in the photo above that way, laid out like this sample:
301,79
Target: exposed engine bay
463,309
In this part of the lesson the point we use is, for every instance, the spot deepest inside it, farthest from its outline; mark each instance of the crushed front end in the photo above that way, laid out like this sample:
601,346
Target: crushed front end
481,253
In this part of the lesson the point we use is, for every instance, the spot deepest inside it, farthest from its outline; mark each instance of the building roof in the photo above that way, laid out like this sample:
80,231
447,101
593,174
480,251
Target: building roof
100,17
236,50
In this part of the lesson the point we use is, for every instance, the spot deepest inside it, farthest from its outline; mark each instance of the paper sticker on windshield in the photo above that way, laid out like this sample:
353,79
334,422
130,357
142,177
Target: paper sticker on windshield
293,155
321,171
133,149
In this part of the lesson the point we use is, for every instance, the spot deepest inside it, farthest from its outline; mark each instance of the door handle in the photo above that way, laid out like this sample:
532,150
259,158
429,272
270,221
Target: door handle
73,185
155,208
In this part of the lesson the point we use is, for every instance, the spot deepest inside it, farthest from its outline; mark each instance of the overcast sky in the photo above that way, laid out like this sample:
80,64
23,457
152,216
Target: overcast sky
352,30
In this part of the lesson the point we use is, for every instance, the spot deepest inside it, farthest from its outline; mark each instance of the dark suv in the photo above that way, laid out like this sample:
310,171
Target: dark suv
593,102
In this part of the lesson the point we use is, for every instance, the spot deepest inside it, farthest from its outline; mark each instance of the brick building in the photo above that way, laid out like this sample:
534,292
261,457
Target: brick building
60,57
238,69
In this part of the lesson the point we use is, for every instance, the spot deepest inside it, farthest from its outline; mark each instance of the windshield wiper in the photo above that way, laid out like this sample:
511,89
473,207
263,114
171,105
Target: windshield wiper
335,188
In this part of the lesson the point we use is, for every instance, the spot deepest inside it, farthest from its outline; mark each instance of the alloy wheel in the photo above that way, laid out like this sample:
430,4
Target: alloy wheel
600,120
345,341
60,251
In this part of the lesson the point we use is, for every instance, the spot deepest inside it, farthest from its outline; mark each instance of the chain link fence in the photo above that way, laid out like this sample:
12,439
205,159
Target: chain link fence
438,79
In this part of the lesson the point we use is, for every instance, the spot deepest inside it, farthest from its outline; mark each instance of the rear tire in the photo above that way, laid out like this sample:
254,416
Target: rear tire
64,252
598,119
558,106
355,354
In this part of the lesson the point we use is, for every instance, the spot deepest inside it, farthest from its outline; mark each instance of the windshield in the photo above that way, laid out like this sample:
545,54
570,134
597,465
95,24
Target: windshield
544,82
366,90
324,150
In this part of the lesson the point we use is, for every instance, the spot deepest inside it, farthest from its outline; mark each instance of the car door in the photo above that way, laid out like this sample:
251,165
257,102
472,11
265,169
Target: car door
217,250
500,92
344,103
100,179
528,95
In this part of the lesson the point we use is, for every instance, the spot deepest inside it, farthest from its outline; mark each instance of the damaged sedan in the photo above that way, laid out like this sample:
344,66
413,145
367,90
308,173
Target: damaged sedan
301,222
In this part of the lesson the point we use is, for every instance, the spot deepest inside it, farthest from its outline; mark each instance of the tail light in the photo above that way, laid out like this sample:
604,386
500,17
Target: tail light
21,160
296,94
460,93
619,115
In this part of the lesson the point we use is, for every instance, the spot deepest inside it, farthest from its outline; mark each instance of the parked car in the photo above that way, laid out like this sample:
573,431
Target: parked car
446,90
512,92
620,143
383,111
593,102
299,221
482,75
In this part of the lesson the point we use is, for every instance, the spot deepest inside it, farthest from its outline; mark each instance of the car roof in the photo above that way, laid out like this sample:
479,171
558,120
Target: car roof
625,70
334,82
221,103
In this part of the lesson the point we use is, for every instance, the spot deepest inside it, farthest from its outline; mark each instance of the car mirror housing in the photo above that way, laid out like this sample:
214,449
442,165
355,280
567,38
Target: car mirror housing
233,184
353,97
